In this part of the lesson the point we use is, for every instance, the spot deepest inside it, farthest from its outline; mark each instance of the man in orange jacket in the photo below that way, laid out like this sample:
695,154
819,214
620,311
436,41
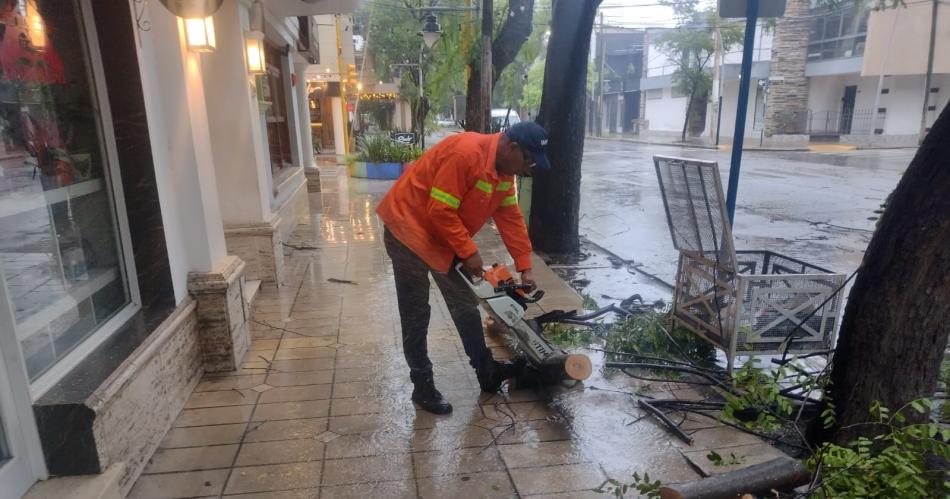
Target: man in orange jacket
431,214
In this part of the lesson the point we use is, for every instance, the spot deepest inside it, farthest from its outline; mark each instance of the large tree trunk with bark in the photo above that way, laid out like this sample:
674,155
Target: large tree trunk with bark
556,196
896,324
504,49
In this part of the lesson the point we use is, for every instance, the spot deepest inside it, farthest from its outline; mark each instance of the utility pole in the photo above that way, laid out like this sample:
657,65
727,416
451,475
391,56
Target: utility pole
717,82
486,74
601,48
930,71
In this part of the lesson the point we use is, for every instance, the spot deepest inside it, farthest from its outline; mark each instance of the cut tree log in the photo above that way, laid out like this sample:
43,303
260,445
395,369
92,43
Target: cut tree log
778,474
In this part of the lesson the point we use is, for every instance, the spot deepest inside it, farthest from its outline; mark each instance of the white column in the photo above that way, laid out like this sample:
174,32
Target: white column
338,123
238,138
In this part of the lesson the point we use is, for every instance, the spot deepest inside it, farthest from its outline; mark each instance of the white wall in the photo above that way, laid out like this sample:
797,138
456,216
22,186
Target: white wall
178,129
730,105
666,114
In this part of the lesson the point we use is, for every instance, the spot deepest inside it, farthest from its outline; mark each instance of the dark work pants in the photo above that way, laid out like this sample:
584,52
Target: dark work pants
412,295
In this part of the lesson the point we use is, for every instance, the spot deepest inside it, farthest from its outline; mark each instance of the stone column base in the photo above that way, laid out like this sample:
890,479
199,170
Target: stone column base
261,248
222,314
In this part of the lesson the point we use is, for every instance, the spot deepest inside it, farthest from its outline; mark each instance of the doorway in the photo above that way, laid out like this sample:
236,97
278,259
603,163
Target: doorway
847,109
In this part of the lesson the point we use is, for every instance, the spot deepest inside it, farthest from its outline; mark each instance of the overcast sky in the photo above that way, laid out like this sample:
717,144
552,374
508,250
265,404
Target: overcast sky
640,13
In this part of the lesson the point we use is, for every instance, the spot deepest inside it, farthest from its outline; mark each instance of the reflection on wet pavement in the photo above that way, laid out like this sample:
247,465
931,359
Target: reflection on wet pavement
320,407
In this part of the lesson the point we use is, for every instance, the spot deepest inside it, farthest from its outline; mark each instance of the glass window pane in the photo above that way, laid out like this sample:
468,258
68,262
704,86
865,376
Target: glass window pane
59,246
832,26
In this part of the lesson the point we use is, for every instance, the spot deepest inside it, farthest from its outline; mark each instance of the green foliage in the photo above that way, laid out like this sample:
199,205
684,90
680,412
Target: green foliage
641,484
515,80
382,149
759,404
531,94
589,302
893,464
651,333
568,337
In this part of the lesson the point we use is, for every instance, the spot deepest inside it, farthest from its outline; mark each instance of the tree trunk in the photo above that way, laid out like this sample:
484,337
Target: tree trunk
896,324
689,113
697,120
555,198
514,32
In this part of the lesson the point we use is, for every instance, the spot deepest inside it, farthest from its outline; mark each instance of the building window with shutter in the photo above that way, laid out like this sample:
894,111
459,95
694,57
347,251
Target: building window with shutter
276,114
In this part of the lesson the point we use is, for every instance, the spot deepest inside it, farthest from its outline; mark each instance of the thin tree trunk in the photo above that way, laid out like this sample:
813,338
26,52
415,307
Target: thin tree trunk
894,332
505,47
555,198
689,111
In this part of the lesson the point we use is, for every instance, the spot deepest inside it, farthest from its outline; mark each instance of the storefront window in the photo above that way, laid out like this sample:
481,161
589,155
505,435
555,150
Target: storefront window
60,249
278,130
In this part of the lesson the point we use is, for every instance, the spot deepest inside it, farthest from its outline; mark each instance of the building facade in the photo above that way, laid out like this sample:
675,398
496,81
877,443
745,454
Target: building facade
152,167
618,106
828,89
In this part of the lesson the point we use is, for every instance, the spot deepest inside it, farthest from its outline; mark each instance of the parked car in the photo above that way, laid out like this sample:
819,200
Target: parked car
502,118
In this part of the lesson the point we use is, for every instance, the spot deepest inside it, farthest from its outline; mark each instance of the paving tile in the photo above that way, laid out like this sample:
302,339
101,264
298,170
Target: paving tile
289,429
713,438
311,493
305,342
354,389
198,436
214,416
301,378
518,411
351,374
541,454
274,477
532,431
361,405
361,423
292,410
444,438
280,452
746,455
367,469
295,393
553,479
456,462
367,445
257,345
191,459
299,365
221,398
400,489
475,485
462,415
170,485
229,383
305,353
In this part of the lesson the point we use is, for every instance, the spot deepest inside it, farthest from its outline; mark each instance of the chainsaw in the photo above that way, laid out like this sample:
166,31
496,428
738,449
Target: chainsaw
507,302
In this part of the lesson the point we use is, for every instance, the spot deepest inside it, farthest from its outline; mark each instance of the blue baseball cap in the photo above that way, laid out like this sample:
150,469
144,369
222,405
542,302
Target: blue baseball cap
534,139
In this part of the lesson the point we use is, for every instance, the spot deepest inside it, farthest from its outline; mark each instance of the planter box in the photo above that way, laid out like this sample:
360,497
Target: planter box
380,171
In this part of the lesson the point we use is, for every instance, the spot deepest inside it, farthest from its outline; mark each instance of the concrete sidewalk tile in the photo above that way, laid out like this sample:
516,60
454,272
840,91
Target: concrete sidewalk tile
304,353
230,382
367,469
446,438
462,415
361,405
368,445
191,459
518,411
298,342
457,461
716,437
214,416
295,393
743,455
541,454
274,477
197,436
490,484
301,365
532,431
311,493
363,423
280,452
553,479
354,389
292,410
265,431
171,485
400,489
199,400
323,377
257,345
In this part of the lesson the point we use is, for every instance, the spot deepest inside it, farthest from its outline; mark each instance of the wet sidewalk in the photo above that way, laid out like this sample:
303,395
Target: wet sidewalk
321,405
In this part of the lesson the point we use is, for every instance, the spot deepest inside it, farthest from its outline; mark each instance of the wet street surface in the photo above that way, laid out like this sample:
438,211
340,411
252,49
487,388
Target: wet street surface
321,406
817,207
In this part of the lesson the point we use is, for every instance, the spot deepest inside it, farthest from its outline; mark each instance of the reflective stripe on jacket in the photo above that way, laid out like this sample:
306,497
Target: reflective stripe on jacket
446,197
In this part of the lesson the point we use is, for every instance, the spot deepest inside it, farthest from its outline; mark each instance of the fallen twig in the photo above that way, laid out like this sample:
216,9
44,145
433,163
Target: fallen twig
666,421
342,281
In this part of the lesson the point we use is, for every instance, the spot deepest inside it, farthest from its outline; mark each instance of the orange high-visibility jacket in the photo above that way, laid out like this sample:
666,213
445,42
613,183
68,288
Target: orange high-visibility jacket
447,195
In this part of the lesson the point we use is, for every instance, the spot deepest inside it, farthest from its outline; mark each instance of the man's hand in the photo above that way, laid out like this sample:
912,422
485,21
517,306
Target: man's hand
473,265
528,279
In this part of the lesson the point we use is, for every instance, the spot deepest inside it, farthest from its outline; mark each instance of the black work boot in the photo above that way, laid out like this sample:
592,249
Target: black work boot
492,373
425,394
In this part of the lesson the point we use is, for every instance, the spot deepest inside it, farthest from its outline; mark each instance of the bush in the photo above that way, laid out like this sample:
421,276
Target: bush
381,149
